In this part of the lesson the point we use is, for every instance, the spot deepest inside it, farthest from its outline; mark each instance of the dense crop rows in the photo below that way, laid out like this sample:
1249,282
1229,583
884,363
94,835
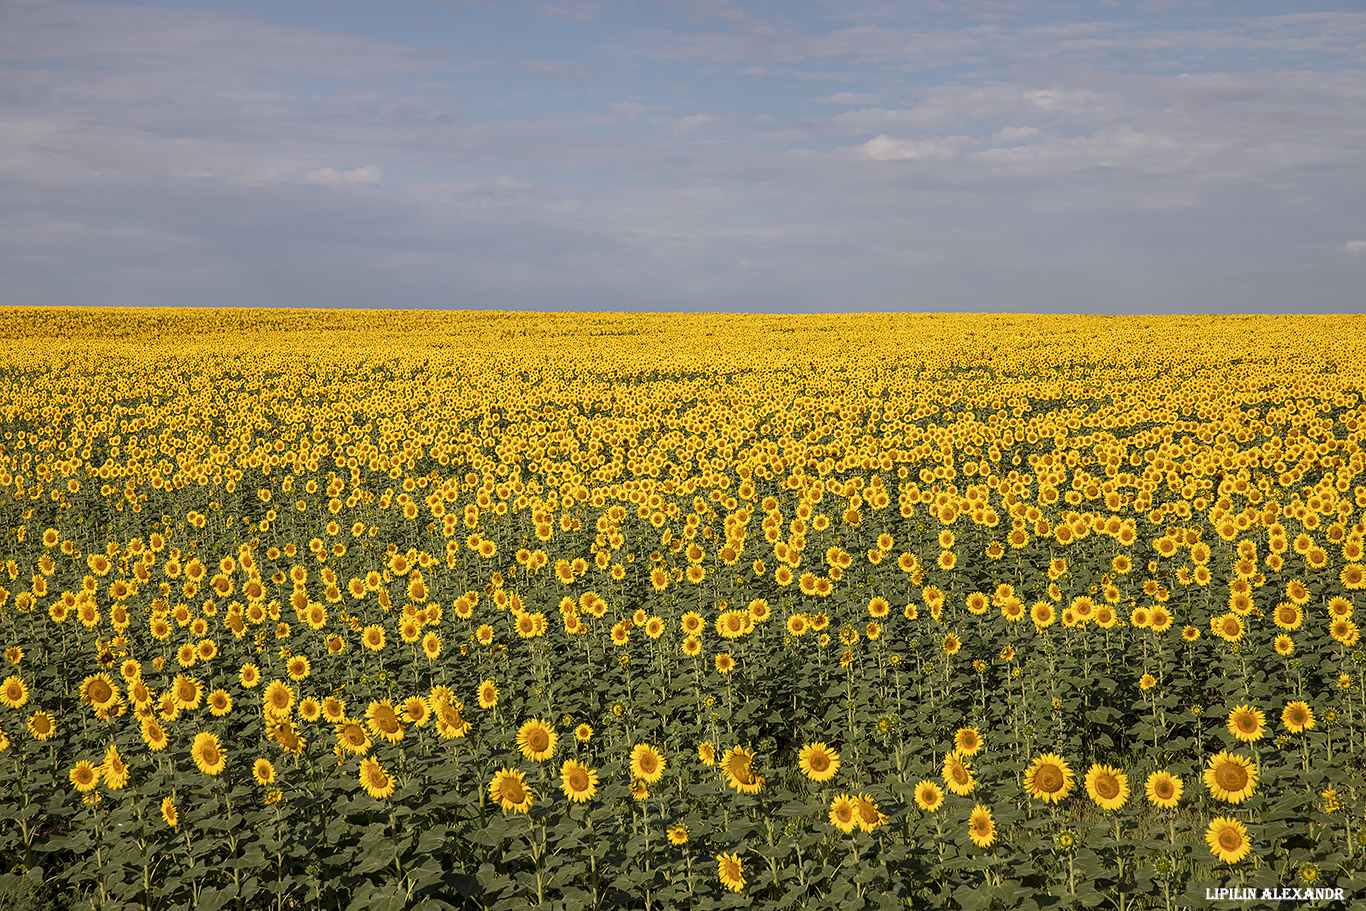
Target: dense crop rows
378,610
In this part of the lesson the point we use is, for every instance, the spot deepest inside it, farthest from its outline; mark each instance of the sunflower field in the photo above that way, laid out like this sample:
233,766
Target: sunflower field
386,609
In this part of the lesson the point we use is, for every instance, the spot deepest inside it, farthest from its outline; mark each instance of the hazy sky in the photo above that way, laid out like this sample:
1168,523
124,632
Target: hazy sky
701,155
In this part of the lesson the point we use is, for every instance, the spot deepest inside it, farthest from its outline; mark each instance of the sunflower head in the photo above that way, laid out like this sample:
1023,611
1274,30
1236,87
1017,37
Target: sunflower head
928,796
1230,777
537,739
1107,786
981,827
1049,778
1298,717
958,774
818,762
843,814
1164,789
509,789
967,741
1247,723
731,872
646,763
1228,840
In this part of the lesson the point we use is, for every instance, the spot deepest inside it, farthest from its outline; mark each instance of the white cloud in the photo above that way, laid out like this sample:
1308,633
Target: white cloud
851,98
689,124
370,175
1355,246
939,148
1124,147
1063,101
1014,135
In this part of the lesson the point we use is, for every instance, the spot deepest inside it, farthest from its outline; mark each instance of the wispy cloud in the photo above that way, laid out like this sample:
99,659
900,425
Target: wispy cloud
938,148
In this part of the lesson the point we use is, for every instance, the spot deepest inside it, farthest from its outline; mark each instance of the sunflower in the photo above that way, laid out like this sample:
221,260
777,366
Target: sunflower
1230,777
1284,645
373,637
378,783
450,720
98,691
1049,778
867,813
510,790
646,763
414,710
41,726
382,719
169,812
724,663
678,835
1288,616
731,872
249,676
1247,723
1107,786
536,739
114,769
1164,789
1227,839
843,814
14,692
431,646
583,733
334,709
298,668
1353,576
1345,631
578,782
737,764
488,694
208,753
187,693
1297,717
958,774
1228,627
1042,614
978,602
928,796
967,741
951,644
263,771
818,762
278,698
85,776
154,735
981,827
352,737
706,753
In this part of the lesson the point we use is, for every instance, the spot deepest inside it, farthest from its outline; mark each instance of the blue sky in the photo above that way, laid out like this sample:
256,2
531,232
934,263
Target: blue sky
859,155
